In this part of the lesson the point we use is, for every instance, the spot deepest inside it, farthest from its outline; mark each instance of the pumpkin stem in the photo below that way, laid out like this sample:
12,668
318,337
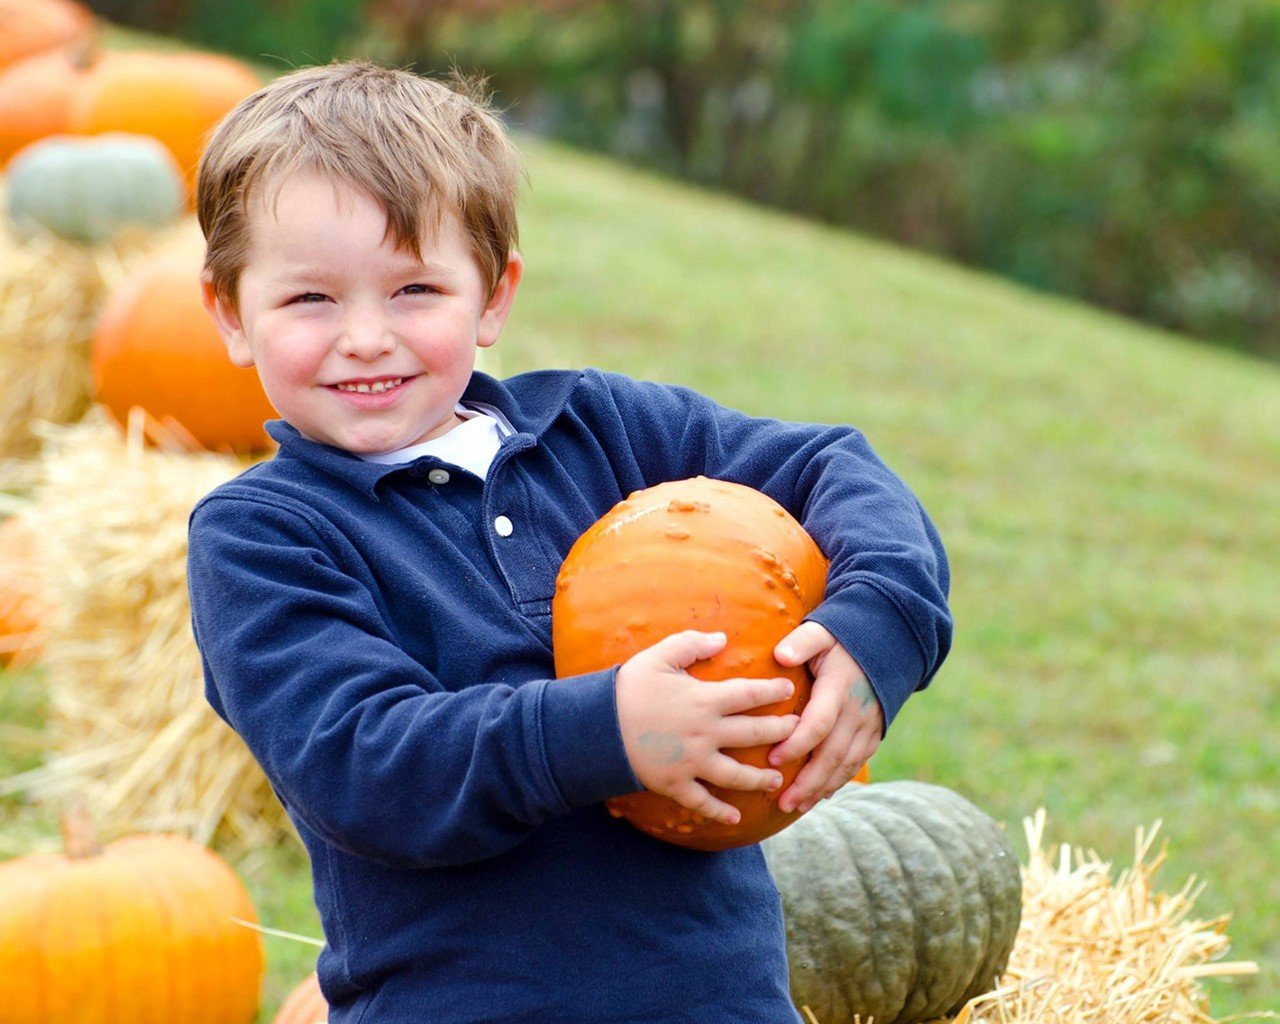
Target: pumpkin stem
84,52
79,840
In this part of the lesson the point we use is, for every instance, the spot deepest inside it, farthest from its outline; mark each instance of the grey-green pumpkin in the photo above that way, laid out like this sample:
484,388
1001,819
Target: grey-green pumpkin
902,901
85,188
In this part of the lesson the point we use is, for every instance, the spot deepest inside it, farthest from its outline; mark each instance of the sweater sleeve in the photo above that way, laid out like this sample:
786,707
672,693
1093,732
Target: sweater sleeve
886,599
363,745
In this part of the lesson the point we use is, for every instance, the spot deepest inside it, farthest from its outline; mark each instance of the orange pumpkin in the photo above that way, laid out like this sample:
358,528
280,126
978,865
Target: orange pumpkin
24,612
36,95
33,26
175,97
692,554
142,931
156,347
304,1005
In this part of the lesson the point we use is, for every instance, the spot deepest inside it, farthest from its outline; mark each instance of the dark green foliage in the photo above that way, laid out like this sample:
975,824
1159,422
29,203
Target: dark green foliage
278,33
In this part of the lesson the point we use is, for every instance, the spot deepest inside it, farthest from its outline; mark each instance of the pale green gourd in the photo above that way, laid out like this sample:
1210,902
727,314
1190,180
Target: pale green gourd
901,899
86,188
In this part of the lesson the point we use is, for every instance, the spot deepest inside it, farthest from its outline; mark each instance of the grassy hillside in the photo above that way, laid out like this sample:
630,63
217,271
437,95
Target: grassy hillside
1110,498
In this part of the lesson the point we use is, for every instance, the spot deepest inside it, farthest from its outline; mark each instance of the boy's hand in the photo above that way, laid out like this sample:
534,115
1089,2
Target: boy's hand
675,727
841,724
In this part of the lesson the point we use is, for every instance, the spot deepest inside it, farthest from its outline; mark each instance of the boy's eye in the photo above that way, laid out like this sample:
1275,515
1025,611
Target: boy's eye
418,289
308,297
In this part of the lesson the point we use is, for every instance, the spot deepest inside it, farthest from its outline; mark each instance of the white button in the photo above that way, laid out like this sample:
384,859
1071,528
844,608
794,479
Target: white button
438,476
502,526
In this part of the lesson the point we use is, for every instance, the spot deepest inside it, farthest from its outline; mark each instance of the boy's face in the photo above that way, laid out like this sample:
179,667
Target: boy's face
358,345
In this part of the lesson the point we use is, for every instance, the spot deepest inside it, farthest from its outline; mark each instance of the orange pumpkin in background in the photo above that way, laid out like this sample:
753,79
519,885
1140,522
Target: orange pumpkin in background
36,96
33,26
157,347
144,930
177,98
693,554
24,610
304,1005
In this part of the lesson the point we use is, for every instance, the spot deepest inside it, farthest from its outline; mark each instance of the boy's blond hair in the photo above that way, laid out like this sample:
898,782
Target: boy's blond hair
415,146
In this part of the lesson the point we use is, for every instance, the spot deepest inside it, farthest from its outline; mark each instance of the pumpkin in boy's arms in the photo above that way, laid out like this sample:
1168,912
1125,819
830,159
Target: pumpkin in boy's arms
693,554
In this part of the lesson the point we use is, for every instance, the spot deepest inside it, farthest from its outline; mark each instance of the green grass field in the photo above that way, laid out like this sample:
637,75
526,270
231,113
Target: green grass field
1109,495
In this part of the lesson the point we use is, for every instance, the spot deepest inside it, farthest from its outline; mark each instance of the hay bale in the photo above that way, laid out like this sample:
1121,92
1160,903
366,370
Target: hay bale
1093,950
129,727
51,292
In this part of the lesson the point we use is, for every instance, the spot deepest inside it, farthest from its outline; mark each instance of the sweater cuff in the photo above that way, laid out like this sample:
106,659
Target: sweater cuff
582,740
870,627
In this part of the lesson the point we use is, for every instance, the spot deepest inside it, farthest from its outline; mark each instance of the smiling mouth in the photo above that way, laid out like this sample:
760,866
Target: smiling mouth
374,387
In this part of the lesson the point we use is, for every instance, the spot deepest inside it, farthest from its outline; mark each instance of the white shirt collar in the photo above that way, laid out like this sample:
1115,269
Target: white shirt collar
471,445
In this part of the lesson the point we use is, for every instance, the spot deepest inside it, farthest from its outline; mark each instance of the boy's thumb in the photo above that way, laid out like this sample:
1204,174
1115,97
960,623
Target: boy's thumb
806,641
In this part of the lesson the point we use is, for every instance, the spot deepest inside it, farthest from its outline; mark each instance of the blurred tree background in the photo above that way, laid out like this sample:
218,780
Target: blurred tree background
1123,151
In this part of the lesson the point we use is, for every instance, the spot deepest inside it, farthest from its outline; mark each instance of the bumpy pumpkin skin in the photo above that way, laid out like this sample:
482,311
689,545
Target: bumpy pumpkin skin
693,554
902,901
140,932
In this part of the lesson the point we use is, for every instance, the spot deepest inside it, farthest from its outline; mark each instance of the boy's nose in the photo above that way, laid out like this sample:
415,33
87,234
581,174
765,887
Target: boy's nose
365,337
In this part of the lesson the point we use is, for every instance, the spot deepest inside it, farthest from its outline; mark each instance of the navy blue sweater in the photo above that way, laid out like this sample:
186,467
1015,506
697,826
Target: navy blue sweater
386,654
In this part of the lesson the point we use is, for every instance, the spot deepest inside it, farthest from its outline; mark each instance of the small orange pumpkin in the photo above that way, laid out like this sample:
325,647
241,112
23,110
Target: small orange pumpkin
33,26
304,1005
177,98
692,554
142,931
24,611
157,347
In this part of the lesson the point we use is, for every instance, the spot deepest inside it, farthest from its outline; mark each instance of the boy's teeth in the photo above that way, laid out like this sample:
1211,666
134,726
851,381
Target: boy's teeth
376,387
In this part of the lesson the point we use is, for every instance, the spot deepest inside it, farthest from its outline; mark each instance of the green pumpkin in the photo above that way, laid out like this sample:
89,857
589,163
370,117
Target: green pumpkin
901,899
86,188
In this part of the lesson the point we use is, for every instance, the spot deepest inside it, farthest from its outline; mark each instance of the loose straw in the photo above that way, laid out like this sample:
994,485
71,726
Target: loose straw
1094,951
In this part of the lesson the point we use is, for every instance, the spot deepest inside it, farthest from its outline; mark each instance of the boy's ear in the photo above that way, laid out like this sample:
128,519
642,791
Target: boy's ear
227,320
499,304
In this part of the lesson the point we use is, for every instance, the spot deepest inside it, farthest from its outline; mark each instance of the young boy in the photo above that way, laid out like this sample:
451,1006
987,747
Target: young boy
373,603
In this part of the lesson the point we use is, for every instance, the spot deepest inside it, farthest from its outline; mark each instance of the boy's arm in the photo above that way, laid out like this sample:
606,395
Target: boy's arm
886,600
363,744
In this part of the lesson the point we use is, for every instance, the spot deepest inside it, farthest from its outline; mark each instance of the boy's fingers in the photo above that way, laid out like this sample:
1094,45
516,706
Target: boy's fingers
696,797
680,650
733,696
819,718
729,773
834,765
754,730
